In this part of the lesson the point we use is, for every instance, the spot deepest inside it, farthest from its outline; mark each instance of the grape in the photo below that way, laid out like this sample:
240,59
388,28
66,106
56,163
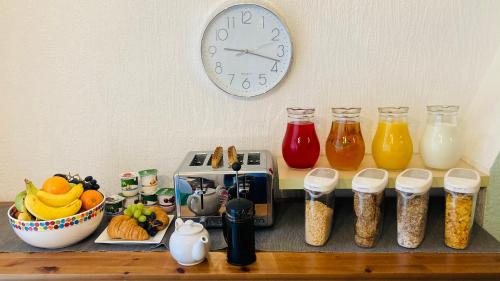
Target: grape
142,219
96,186
127,212
152,216
89,178
93,182
152,232
147,212
137,214
140,206
131,208
75,181
144,225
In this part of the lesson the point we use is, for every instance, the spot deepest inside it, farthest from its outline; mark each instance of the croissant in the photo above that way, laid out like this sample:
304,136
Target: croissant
161,215
123,227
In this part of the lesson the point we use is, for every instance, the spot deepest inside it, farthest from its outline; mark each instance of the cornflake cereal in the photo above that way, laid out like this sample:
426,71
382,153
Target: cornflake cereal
318,222
458,219
412,218
367,207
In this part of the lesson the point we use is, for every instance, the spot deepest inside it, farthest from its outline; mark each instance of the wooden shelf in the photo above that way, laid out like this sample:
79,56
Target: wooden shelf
294,179
269,266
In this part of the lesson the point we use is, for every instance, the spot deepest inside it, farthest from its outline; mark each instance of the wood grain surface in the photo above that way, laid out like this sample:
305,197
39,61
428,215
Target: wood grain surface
269,266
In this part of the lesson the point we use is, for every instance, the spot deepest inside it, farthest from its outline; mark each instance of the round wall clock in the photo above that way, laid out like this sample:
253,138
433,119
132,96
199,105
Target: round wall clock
246,50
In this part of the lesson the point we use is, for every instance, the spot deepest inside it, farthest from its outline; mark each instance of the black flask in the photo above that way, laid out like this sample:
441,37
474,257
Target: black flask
238,229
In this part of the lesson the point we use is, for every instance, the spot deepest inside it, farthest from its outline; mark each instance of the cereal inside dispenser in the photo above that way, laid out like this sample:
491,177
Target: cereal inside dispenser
319,185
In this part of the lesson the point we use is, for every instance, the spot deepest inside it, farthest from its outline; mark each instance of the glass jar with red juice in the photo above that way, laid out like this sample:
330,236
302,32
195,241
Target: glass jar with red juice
300,146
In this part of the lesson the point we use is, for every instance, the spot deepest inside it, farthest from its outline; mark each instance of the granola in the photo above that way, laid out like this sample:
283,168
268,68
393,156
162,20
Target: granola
412,218
367,207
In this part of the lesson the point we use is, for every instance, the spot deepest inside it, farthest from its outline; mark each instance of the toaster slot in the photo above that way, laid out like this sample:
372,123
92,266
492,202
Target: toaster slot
198,159
253,158
240,158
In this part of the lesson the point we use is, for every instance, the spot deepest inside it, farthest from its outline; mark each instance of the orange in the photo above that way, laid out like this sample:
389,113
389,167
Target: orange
56,185
91,198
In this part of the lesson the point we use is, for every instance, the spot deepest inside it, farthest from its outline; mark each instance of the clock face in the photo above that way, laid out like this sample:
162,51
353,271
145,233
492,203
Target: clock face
246,50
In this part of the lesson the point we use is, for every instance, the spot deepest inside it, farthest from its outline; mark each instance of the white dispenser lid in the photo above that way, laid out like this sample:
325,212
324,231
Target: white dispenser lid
370,180
321,180
462,180
414,180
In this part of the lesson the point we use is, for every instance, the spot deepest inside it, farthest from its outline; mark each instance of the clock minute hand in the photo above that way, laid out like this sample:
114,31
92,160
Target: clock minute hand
262,56
258,48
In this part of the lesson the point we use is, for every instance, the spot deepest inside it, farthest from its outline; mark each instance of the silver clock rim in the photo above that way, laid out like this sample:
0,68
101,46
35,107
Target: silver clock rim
227,7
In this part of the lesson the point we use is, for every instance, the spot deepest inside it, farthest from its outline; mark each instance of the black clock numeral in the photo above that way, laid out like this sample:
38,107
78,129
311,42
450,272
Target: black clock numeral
263,22
221,34
277,31
229,21
212,50
232,78
246,16
218,67
246,84
262,79
275,67
281,51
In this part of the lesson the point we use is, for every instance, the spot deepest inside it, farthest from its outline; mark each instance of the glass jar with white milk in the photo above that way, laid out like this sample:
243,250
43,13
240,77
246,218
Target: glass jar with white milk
441,143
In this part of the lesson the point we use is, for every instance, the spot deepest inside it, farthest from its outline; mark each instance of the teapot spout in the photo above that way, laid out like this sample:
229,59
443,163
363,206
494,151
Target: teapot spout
200,250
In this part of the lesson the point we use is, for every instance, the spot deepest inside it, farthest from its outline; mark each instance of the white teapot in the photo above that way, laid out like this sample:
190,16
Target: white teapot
189,244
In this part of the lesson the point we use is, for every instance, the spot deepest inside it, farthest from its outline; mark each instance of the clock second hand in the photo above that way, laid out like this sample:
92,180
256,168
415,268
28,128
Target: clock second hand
258,48
246,51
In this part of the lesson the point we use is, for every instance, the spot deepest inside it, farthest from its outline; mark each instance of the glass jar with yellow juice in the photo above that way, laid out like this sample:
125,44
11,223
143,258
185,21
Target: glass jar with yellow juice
392,147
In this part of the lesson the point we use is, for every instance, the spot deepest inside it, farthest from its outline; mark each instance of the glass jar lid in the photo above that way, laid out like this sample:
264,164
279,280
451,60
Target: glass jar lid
321,180
443,109
346,112
414,180
462,180
393,110
370,180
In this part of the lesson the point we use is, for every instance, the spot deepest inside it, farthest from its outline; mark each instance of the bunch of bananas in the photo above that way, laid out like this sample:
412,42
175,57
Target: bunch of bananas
47,206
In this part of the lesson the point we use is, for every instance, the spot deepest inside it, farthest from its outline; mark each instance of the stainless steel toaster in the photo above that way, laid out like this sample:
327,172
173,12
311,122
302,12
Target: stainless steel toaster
202,191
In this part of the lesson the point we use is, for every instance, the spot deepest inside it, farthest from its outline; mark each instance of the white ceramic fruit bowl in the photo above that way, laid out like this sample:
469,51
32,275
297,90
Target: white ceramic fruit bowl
58,233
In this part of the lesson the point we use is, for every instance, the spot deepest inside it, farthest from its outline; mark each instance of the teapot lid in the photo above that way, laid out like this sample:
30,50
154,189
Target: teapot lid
187,228
239,208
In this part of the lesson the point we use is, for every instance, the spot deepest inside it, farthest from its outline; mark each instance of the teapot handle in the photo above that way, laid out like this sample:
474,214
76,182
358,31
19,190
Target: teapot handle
189,199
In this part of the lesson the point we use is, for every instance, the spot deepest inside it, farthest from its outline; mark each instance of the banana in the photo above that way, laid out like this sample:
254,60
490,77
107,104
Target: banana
20,202
30,187
25,216
54,200
40,210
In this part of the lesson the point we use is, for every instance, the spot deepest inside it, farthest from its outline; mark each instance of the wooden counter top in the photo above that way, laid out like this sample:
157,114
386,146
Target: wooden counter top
269,266
294,179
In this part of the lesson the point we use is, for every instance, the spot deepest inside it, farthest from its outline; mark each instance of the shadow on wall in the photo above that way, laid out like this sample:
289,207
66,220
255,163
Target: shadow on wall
492,214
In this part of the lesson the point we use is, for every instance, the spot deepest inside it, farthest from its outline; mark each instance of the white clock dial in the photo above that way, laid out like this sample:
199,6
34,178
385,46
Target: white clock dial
246,50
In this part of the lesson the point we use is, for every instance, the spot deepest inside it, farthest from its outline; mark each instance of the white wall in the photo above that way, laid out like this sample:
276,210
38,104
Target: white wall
101,87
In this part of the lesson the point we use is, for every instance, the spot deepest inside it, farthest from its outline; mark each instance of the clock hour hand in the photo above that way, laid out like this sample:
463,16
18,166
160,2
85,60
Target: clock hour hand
242,51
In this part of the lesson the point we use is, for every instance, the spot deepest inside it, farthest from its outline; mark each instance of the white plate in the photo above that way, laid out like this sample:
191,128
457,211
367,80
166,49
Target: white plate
105,239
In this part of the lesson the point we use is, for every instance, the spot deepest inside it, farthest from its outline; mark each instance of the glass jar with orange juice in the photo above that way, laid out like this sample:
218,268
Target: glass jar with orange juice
345,147
392,147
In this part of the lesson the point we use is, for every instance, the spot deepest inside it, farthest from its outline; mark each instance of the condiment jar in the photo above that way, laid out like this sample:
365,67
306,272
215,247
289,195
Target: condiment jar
319,185
368,186
461,187
412,187
345,147
300,145
392,147
441,143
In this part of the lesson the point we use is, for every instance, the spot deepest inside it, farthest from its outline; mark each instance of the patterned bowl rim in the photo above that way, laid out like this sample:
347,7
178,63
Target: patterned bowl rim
88,211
